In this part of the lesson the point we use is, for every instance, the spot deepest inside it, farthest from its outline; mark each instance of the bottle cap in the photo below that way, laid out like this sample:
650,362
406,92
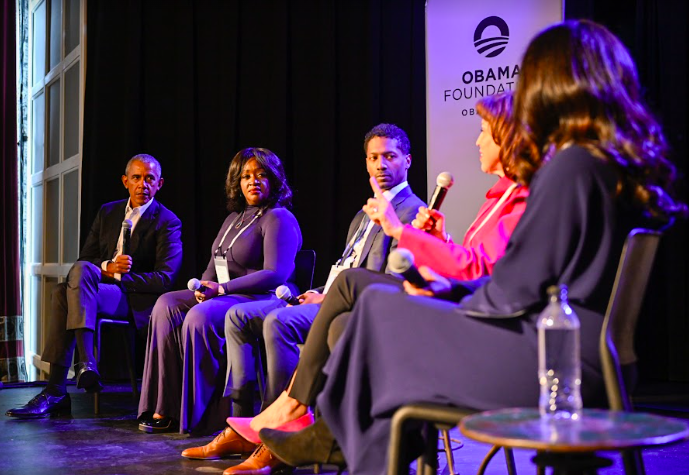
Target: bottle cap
557,292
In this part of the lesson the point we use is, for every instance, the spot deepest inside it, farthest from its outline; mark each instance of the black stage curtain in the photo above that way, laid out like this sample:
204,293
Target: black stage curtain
655,33
194,82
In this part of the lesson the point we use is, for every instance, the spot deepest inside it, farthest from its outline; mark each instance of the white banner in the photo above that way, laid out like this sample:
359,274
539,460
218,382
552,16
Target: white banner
473,49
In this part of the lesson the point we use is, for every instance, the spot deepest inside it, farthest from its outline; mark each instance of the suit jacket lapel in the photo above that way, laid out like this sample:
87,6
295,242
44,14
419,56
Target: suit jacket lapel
369,242
354,226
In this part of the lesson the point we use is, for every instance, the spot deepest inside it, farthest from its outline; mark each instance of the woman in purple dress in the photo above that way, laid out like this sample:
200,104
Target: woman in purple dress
253,253
594,160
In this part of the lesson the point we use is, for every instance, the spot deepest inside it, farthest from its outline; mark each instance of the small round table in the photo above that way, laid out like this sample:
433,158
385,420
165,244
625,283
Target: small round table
570,446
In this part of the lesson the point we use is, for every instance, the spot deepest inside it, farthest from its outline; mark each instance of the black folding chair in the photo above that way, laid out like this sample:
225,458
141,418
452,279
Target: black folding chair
618,361
128,329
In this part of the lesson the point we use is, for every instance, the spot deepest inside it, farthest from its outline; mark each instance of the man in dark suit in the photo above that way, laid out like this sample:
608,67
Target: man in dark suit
119,271
282,328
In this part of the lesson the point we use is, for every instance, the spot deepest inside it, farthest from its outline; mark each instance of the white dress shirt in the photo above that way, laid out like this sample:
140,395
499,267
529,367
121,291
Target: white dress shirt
134,215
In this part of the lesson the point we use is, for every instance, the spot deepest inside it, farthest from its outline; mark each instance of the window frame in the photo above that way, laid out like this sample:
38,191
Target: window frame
36,304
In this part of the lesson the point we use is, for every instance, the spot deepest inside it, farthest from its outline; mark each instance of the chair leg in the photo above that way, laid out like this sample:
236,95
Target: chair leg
509,461
427,463
395,444
432,414
96,354
429,459
633,463
486,460
540,469
130,365
260,371
445,435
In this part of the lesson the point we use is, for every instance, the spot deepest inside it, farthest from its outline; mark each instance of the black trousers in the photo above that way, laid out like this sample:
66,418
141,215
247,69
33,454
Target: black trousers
327,328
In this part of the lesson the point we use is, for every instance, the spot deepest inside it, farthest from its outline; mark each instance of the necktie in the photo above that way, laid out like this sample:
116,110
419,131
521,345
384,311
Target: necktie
361,230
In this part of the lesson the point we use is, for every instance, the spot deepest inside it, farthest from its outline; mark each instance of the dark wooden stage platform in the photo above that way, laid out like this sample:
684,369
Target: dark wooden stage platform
111,443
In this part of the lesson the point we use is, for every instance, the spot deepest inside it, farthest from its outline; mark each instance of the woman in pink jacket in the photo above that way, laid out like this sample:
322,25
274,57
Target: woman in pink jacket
485,240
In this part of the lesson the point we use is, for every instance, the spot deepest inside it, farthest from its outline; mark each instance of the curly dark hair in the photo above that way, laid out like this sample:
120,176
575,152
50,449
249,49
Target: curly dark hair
579,85
390,131
280,192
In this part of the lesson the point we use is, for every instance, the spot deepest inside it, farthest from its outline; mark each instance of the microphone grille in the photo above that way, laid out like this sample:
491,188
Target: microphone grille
400,260
445,180
283,292
193,284
127,224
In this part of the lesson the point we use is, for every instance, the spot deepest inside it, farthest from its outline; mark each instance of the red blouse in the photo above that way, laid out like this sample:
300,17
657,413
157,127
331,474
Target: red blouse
483,244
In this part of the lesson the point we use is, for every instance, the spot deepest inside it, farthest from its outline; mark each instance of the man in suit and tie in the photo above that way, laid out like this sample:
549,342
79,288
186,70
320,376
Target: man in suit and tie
119,271
282,328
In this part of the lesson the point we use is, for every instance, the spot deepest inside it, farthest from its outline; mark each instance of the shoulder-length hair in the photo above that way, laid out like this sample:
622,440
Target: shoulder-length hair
579,85
497,111
280,193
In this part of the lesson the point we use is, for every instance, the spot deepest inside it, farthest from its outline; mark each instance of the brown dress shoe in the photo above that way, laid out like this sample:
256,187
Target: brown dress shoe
226,444
261,462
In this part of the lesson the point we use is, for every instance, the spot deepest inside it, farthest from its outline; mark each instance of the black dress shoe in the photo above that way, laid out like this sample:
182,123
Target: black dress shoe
315,444
158,426
43,405
145,417
88,377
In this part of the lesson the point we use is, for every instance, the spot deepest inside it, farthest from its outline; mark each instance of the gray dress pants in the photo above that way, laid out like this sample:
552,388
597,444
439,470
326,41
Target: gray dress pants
75,305
248,327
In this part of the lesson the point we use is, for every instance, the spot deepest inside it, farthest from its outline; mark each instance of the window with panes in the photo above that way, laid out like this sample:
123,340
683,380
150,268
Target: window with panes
56,83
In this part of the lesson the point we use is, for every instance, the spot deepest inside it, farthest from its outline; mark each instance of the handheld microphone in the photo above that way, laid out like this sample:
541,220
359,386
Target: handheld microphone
443,183
401,261
195,284
283,293
126,236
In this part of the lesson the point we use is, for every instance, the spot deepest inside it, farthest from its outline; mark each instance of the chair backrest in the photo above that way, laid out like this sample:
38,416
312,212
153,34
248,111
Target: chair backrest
617,334
304,267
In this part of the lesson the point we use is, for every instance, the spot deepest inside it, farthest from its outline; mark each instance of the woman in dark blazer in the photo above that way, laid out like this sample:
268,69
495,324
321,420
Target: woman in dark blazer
593,158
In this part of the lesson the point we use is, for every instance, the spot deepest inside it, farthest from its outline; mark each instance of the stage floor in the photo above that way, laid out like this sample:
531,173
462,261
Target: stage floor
111,443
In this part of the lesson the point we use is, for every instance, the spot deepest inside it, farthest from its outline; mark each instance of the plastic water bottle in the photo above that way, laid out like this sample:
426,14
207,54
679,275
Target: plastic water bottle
559,363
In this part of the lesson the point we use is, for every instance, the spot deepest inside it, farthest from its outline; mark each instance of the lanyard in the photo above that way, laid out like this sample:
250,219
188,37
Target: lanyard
500,202
258,214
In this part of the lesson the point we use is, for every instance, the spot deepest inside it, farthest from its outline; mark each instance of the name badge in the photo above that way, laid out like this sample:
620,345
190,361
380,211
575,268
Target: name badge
334,272
222,272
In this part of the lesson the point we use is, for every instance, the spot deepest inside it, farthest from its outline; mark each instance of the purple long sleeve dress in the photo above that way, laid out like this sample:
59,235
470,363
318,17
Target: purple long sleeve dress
184,373
482,354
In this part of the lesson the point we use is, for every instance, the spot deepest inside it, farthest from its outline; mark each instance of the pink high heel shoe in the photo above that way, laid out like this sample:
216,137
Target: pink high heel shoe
241,425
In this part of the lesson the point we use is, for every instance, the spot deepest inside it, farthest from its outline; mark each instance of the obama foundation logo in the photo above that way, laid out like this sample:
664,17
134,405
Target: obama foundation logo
491,46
